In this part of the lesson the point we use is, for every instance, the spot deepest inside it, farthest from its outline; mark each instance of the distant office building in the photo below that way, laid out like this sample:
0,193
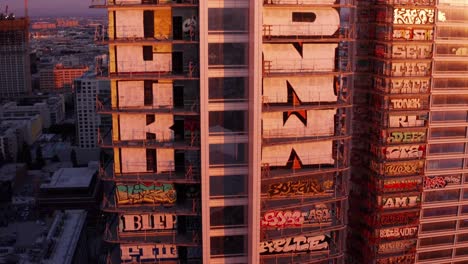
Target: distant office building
67,22
60,77
43,25
87,90
8,144
15,76
28,128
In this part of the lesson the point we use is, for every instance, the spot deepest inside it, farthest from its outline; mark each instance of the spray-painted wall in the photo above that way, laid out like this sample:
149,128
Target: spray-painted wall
134,160
326,23
135,127
131,94
308,153
129,24
299,58
317,123
308,89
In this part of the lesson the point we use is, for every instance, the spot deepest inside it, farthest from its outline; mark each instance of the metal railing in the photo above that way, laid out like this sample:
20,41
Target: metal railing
150,69
309,31
95,3
284,65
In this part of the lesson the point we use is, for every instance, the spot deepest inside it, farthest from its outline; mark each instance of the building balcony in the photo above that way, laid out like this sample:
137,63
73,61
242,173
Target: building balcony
307,3
143,4
168,141
306,33
186,207
113,234
132,35
189,108
187,174
288,67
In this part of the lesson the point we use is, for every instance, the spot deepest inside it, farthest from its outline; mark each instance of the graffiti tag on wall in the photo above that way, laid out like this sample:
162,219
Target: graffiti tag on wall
398,168
413,16
399,218
400,202
130,253
146,193
320,214
401,51
407,120
401,185
438,182
398,232
295,244
396,246
402,86
404,259
142,222
411,103
405,152
411,68
302,187
413,34
406,137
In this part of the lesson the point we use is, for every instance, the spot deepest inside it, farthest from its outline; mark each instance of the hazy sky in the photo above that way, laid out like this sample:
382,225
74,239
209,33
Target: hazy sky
50,7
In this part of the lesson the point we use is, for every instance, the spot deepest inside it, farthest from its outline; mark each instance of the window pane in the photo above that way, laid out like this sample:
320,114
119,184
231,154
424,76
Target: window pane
228,88
439,240
449,116
227,216
449,99
445,164
445,132
435,254
448,148
441,211
228,54
228,185
442,196
227,121
303,17
226,154
227,245
438,226
451,83
228,19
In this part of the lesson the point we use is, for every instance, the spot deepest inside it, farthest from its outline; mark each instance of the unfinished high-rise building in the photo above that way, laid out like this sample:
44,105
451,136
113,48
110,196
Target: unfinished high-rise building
231,130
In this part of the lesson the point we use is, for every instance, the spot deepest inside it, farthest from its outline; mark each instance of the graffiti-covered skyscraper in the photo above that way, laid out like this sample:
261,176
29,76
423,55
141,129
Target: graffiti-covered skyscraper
231,130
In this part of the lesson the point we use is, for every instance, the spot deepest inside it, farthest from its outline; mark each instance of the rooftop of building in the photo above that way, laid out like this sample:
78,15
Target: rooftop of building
47,240
21,23
71,178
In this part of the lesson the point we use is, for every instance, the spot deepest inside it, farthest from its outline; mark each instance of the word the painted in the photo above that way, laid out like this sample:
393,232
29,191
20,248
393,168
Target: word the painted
398,218
303,187
142,193
295,244
403,86
400,202
411,68
438,182
400,51
413,34
404,259
404,152
142,222
407,121
396,246
413,16
406,103
130,253
398,232
298,218
406,137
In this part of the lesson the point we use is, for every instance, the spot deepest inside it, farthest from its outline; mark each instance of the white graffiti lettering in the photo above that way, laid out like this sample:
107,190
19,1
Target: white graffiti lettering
295,244
147,222
396,246
406,103
400,202
398,232
411,51
130,253
403,152
408,16
411,68
407,121
399,86
413,34
320,214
